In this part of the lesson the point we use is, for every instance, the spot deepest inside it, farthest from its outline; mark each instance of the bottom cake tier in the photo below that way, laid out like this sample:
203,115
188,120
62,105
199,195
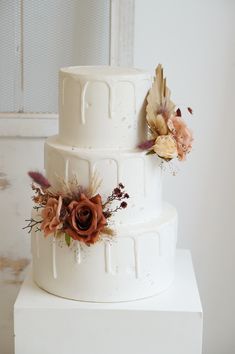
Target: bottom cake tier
137,263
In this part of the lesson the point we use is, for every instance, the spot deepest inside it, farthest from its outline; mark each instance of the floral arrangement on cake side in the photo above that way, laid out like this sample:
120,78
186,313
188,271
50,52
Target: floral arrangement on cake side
169,136
76,212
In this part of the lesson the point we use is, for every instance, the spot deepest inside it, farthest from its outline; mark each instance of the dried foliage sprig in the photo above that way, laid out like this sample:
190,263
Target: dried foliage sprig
119,195
31,224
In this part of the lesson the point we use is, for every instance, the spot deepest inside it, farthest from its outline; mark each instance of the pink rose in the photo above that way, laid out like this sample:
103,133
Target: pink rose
51,216
86,219
182,135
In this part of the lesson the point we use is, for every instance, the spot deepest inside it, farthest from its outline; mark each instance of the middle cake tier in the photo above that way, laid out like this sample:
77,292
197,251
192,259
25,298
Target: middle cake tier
141,175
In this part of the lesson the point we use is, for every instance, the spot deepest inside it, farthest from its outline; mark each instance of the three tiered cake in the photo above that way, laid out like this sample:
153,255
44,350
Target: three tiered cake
102,120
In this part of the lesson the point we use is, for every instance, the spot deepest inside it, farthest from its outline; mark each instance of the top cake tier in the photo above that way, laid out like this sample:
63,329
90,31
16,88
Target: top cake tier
102,107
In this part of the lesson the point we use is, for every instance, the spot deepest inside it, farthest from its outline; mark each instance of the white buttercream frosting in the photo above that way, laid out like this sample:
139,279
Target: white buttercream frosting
102,107
137,263
139,173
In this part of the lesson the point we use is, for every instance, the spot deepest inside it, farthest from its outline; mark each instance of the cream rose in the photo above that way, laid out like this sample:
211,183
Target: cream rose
165,147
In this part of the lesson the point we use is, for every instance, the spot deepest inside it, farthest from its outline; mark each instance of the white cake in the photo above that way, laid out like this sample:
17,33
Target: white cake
101,122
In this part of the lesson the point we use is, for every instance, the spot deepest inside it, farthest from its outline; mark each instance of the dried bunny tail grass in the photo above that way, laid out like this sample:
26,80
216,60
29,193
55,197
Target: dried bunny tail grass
147,144
94,185
39,179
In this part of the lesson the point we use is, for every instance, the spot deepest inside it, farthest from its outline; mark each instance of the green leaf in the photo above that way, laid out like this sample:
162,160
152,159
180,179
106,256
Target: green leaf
67,239
150,152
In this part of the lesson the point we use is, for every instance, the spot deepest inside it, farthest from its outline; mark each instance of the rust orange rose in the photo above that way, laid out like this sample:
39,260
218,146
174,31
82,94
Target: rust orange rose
86,219
51,216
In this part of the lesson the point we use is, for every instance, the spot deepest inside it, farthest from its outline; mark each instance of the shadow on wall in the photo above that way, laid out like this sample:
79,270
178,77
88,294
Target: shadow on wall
12,269
4,183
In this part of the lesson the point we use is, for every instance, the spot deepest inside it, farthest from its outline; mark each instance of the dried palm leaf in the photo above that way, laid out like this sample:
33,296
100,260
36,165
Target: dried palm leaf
159,105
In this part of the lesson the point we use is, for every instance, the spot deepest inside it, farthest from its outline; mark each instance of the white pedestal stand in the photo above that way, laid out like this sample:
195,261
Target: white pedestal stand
169,323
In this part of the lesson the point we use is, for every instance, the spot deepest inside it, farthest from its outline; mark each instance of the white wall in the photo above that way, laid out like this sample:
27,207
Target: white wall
17,156
195,41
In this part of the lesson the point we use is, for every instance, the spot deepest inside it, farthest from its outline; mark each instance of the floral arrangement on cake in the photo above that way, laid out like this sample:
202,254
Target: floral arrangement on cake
76,212
169,136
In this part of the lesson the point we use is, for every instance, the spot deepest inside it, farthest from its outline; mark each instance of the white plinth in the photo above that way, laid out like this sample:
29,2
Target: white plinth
169,323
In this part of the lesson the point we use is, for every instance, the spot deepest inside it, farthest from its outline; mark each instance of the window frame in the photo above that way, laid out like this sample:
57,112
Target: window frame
38,125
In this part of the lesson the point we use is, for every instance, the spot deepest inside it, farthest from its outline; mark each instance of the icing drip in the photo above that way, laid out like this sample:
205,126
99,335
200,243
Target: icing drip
77,253
83,93
91,168
108,257
83,99
37,245
136,256
54,270
66,171
111,88
119,170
